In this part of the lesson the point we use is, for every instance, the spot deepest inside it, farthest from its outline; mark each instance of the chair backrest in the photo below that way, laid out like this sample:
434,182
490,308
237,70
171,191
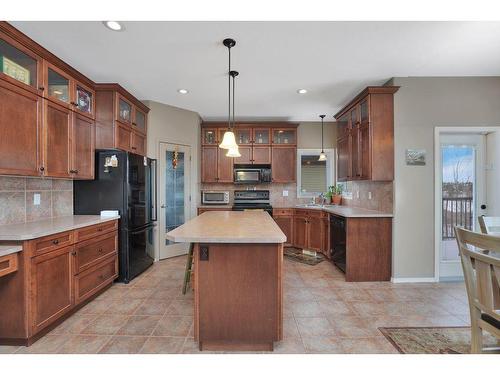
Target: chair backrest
481,269
489,224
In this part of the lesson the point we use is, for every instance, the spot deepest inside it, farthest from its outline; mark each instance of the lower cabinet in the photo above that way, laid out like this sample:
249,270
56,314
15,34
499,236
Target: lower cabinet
57,273
310,230
51,287
284,218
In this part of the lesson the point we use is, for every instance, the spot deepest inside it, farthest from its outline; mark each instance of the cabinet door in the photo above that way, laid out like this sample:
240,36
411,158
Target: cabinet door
243,136
343,125
57,85
124,108
51,287
246,155
224,166
123,137
343,159
209,136
354,152
84,100
284,137
209,163
138,145
57,135
262,136
300,232
314,233
283,164
83,147
261,155
286,225
139,121
20,129
365,152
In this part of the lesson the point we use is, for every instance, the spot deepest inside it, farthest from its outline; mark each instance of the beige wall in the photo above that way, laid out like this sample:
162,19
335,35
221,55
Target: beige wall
421,104
178,126
309,135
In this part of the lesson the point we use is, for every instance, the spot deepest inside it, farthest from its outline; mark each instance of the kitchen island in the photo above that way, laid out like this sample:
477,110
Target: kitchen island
238,266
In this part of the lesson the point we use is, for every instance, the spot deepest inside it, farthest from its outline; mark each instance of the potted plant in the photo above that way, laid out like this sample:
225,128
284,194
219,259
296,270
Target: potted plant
335,194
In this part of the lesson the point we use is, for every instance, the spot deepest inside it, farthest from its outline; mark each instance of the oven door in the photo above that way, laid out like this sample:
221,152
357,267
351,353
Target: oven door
247,176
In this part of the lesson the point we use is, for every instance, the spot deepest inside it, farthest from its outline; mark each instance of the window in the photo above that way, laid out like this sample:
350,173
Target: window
313,176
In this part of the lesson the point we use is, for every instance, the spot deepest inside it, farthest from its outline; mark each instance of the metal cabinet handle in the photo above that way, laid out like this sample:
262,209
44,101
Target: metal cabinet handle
55,242
41,88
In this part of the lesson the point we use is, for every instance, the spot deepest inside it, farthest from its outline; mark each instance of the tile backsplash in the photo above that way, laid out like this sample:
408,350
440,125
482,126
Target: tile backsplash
17,199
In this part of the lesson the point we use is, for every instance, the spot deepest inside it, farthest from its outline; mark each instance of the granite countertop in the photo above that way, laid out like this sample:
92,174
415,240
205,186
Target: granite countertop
46,227
10,249
346,211
229,227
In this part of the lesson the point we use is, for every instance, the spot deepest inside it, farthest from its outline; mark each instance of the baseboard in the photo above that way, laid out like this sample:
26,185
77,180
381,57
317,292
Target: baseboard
397,280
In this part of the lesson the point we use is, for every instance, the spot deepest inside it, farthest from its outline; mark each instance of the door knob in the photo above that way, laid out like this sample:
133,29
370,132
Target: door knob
162,206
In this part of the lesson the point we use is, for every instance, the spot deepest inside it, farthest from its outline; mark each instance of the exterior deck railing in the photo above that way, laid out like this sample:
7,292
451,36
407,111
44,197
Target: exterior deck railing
456,211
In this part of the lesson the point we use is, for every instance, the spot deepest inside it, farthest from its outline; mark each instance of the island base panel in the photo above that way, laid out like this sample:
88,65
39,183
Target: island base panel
238,296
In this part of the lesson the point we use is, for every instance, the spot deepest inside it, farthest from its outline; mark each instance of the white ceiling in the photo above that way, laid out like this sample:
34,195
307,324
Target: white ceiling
332,60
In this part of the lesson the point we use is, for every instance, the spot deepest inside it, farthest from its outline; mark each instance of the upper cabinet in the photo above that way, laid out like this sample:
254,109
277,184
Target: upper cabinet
365,136
273,144
121,120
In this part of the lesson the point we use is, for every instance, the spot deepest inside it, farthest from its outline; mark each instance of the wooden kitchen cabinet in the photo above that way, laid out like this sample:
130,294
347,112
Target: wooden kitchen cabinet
314,232
224,166
365,143
209,163
57,140
20,131
311,230
283,165
284,219
121,119
83,147
261,155
51,287
55,275
300,234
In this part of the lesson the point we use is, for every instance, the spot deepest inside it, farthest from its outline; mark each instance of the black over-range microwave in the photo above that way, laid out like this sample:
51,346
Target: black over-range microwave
252,174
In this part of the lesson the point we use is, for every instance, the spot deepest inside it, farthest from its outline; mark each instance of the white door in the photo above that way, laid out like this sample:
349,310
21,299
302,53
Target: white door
463,194
174,192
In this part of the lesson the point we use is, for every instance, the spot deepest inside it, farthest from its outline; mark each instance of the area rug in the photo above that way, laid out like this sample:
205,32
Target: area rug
296,255
432,340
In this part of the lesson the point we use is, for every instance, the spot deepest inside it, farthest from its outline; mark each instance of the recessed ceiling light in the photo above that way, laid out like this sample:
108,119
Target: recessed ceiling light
182,91
301,91
113,25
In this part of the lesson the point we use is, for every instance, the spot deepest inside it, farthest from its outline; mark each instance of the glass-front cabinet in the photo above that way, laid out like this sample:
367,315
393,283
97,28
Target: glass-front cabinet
84,99
209,136
139,120
244,136
18,65
364,113
58,85
124,110
261,136
284,136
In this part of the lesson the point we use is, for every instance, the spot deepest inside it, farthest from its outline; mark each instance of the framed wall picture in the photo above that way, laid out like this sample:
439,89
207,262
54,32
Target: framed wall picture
415,156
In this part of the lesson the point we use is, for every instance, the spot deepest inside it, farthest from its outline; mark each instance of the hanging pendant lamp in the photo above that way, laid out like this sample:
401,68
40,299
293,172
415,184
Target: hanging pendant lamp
233,151
322,155
229,140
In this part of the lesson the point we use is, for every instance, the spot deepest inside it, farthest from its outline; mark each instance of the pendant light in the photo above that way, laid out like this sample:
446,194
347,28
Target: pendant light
233,152
229,140
322,155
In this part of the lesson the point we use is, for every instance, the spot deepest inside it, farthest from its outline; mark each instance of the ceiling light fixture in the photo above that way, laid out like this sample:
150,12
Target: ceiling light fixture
183,91
229,140
233,152
301,91
113,25
322,155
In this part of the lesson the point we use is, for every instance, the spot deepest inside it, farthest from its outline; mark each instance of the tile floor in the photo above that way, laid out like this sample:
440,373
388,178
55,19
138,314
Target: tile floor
322,314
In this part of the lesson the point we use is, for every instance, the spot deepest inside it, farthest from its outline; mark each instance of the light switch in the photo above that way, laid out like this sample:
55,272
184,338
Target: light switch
36,199
285,193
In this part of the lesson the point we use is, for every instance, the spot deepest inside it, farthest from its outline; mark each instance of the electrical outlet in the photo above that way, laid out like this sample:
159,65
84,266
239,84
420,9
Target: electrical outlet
369,195
36,199
285,193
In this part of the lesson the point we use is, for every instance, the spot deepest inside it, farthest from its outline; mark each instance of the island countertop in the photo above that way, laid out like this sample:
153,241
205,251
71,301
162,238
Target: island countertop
46,227
229,227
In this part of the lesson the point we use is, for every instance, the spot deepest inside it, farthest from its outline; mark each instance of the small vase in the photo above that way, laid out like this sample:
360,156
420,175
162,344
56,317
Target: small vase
336,199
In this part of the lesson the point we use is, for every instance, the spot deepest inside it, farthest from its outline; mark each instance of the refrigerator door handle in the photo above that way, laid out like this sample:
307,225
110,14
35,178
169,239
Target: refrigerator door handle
154,187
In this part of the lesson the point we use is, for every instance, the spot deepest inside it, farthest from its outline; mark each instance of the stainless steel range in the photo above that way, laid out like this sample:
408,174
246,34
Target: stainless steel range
246,200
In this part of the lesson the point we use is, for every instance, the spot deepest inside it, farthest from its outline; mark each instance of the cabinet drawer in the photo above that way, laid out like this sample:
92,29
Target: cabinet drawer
46,244
91,252
93,279
283,212
8,264
95,230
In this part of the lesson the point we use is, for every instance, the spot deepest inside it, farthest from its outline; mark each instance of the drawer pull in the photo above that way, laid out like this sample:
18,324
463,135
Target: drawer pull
100,250
73,253
55,242
99,229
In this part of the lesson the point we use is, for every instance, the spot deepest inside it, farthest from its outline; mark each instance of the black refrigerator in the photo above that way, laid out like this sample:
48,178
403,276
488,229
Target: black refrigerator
125,182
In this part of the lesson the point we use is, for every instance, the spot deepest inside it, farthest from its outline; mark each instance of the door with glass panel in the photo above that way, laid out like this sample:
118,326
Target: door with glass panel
175,200
463,195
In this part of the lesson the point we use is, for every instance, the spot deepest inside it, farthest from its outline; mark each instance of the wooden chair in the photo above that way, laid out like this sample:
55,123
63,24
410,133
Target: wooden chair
481,265
489,225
